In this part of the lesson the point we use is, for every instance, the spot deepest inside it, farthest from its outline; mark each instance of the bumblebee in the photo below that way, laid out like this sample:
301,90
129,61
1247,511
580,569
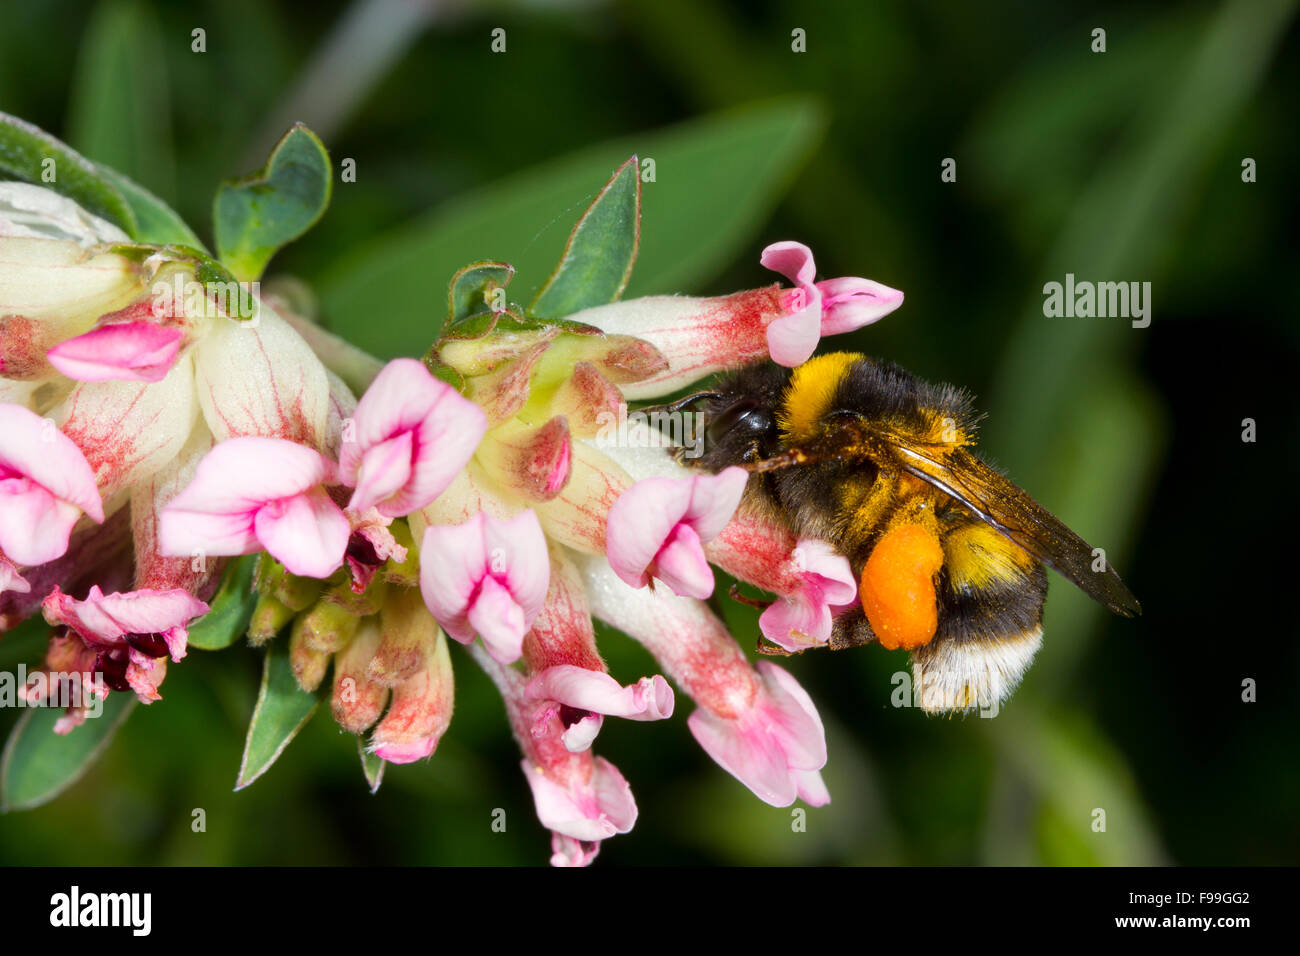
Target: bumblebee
948,553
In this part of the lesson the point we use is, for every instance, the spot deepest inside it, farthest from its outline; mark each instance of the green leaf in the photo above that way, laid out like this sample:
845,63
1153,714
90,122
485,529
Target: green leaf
255,216
283,708
717,179
119,112
24,150
598,259
231,608
473,288
372,766
39,764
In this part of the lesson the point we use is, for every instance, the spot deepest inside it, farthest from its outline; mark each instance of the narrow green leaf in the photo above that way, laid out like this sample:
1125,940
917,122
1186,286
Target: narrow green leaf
119,112
598,259
283,708
716,180
232,606
33,155
372,766
255,216
39,764
474,288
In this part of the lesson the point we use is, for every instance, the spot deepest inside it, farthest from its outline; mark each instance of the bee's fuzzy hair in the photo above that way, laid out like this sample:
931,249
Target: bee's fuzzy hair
972,675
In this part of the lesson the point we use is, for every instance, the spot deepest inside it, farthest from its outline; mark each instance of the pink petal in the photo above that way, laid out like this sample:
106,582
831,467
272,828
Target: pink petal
796,622
184,534
308,533
385,469
445,429
519,546
453,559
10,579
812,789
458,561
32,446
682,566
566,851
215,513
144,674
792,339
495,617
793,718
772,747
240,474
124,351
104,619
793,260
651,698
803,617
714,499
659,525
579,736
597,811
849,303
752,758
34,525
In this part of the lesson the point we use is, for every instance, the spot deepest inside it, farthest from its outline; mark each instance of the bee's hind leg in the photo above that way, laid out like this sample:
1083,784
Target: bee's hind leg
851,629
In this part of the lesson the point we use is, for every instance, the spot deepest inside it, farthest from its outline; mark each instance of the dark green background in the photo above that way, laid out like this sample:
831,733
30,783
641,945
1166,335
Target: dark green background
1117,166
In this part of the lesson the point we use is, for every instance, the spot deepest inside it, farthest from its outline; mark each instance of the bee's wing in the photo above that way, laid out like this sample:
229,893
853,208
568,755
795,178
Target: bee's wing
995,500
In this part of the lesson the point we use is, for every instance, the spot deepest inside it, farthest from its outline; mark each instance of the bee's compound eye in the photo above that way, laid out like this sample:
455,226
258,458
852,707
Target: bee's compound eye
747,415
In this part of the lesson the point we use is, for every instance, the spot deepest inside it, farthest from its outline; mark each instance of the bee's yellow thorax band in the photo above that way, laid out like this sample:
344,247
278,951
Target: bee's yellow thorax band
810,392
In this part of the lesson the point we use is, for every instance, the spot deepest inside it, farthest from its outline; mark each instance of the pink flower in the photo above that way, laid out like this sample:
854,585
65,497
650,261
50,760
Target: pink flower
129,632
761,727
581,798
45,486
776,748
488,577
802,618
823,308
659,526
154,622
697,337
567,676
413,435
587,810
123,351
253,494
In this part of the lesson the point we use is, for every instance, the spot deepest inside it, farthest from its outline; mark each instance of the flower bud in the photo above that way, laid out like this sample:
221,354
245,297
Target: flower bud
357,700
420,712
408,634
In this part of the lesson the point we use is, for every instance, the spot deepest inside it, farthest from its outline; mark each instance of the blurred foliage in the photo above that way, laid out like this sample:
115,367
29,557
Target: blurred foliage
1124,165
